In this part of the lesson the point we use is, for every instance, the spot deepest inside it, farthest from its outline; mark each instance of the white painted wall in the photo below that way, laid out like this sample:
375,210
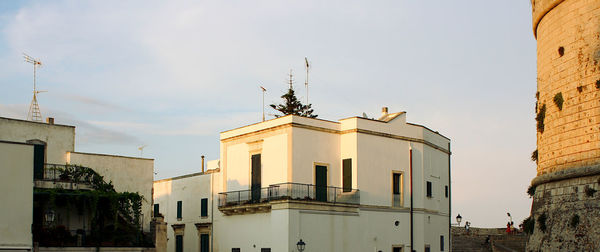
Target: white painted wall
16,183
59,138
189,189
128,174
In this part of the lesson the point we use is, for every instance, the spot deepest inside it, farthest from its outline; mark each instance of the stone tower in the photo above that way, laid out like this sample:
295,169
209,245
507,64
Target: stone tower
566,206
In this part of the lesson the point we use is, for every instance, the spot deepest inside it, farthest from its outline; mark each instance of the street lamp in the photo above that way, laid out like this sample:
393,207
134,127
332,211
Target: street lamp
458,219
300,245
49,216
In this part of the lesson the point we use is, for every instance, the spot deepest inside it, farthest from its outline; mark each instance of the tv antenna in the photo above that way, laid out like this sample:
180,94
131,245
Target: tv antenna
263,100
306,82
34,113
141,148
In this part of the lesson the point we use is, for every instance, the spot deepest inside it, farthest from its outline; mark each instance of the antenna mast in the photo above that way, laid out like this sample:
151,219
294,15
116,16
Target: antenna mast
34,109
263,105
306,82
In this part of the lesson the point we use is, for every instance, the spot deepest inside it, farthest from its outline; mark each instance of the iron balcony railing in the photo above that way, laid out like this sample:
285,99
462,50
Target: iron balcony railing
290,191
66,173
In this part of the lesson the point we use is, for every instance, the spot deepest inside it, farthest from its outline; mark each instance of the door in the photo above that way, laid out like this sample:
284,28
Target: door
38,161
179,243
321,183
204,243
255,187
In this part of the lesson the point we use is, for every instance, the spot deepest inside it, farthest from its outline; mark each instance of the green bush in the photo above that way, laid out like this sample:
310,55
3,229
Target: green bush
541,115
534,156
574,221
531,190
558,100
542,221
528,225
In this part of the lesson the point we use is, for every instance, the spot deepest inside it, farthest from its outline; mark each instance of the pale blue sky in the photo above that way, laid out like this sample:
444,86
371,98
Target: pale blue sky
174,75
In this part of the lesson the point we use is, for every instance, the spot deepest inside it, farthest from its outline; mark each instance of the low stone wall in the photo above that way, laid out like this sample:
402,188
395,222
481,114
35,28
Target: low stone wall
93,249
478,231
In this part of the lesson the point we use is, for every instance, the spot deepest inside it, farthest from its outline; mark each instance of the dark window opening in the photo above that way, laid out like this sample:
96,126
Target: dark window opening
204,243
265,250
156,210
236,250
256,177
447,192
179,243
347,174
204,207
441,243
397,249
396,183
429,191
179,206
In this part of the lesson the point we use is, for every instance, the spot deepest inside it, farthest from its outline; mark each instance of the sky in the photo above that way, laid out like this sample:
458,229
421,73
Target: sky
173,74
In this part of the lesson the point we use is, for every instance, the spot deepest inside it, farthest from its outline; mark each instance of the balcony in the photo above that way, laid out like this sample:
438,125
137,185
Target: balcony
70,177
261,199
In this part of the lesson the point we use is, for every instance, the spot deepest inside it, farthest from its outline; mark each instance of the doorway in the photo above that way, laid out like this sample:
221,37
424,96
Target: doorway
321,183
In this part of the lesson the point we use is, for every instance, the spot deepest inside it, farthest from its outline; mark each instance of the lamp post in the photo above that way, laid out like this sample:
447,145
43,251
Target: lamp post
458,219
300,245
49,217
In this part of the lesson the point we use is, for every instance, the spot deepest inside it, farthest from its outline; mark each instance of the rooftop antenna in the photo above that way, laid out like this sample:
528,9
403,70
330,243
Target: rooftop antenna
34,113
141,148
263,104
306,82
291,79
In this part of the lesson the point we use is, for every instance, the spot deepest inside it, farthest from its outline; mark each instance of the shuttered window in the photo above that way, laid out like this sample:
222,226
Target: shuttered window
347,174
204,207
179,206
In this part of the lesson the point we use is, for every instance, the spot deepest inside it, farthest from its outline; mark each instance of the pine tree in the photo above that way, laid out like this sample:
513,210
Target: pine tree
293,106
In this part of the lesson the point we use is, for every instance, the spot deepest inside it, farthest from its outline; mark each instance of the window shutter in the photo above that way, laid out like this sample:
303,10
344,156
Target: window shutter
347,174
204,207
179,206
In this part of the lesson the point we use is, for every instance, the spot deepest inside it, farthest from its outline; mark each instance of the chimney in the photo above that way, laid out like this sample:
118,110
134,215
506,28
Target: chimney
202,163
384,111
50,120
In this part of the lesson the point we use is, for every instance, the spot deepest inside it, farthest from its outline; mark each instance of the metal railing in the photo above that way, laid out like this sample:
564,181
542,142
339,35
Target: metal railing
291,191
65,173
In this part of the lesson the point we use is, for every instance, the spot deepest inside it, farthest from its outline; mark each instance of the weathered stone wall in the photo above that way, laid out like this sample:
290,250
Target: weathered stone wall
571,136
565,206
562,202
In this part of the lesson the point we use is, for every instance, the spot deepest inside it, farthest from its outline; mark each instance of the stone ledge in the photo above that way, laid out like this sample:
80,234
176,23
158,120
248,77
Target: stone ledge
566,174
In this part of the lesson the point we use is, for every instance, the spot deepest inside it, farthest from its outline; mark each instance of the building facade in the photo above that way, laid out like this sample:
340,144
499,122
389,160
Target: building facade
63,192
566,209
358,184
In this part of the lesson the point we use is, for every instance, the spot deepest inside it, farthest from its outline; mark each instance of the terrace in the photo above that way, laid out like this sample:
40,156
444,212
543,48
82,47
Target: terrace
261,199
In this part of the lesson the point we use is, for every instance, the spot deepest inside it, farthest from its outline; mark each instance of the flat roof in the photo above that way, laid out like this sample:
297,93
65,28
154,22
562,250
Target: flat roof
27,121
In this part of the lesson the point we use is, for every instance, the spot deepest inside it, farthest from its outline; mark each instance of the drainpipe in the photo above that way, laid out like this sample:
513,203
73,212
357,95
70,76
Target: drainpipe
449,203
212,210
411,197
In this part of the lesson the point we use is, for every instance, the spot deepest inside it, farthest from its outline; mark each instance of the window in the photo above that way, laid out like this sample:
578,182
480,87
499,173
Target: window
236,250
429,192
397,249
156,210
179,206
204,207
265,250
179,243
397,189
441,243
446,191
347,174
427,248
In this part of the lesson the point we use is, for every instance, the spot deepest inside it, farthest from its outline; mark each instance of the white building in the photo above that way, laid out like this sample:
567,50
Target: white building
33,158
335,186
